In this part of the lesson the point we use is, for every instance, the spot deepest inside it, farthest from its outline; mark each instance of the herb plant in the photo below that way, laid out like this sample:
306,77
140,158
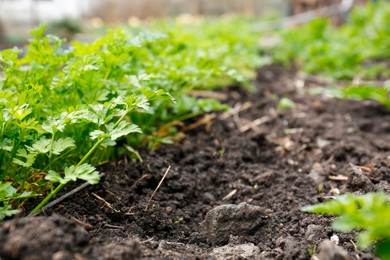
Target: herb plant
357,49
64,109
369,214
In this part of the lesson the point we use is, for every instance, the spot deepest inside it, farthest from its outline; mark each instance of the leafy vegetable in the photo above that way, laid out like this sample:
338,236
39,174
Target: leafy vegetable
369,213
357,49
378,94
7,193
62,109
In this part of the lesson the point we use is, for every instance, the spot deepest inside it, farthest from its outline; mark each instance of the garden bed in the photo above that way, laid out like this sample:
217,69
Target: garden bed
277,159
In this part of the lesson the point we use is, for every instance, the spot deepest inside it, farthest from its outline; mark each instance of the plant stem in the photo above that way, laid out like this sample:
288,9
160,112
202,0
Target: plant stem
51,146
59,187
96,145
13,153
46,200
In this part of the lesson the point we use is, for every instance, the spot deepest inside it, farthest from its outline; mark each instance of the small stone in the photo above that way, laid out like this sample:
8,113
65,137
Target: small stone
127,249
313,232
231,219
327,250
61,255
361,182
335,240
334,191
208,197
288,243
321,143
317,172
243,251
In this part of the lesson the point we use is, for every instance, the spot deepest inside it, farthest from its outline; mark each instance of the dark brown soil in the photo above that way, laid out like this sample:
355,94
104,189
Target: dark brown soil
279,160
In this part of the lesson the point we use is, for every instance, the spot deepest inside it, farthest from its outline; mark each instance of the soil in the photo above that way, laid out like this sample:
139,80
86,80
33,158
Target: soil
274,160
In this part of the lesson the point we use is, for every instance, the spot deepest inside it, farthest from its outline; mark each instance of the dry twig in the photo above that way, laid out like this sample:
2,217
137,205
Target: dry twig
254,123
108,204
237,109
203,121
114,227
208,94
82,223
158,186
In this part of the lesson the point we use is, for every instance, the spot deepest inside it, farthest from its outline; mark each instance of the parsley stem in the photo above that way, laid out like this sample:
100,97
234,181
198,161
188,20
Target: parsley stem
61,185
94,147
46,199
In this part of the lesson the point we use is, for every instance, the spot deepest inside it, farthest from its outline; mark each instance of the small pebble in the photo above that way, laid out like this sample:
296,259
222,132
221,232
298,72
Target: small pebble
335,240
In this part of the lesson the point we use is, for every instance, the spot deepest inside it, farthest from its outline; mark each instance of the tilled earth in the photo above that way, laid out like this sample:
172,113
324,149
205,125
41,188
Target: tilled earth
235,187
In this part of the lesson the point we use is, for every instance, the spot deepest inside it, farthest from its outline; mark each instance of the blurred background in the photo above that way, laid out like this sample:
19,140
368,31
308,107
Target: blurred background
17,17
67,18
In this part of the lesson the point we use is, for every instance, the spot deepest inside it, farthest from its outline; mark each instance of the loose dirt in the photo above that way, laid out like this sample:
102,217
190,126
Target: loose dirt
274,160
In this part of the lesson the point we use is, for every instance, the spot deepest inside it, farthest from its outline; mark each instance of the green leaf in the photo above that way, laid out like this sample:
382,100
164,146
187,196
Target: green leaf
39,32
157,94
54,176
134,102
7,192
84,172
98,134
101,113
29,158
42,146
134,81
58,123
6,144
369,213
20,112
62,144
346,223
343,204
52,98
383,249
122,129
45,145
108,142
378,94
83,114
7,211
31,124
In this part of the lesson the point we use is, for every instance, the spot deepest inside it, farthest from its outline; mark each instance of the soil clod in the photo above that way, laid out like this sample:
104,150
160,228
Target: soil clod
238,220
327,250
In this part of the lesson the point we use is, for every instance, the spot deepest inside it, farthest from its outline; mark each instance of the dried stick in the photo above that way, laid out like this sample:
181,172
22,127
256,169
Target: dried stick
158,186
254,123
108,204
237,109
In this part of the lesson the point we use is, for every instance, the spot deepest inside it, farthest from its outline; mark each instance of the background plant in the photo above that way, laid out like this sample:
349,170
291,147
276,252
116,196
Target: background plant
357,51
369,214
